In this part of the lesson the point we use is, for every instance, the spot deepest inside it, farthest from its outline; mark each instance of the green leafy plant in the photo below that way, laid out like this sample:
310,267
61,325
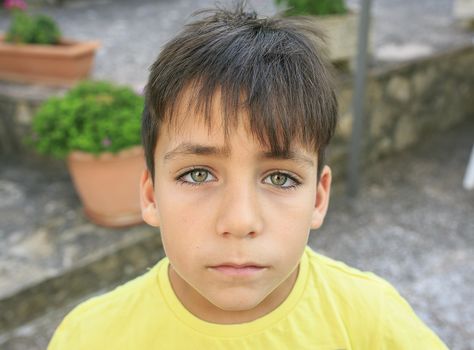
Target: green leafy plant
314,7
93,117
28,29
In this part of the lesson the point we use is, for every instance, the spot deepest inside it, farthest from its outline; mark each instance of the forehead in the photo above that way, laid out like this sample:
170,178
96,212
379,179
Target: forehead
216,120
191,134
239,147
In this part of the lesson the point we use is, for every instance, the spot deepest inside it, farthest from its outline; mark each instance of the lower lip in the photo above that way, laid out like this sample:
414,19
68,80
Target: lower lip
238,271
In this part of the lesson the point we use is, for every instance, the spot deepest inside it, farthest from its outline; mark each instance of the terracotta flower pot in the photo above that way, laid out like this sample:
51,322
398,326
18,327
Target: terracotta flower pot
62,64
108,185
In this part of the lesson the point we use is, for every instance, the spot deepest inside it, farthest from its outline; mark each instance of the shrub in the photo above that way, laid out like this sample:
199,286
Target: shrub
314,7
93,117
38,29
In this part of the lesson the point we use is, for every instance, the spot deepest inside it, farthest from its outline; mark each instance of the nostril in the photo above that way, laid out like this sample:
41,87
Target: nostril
251,234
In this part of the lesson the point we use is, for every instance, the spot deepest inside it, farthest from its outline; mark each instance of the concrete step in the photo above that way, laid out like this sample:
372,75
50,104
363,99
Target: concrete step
36,333
50,253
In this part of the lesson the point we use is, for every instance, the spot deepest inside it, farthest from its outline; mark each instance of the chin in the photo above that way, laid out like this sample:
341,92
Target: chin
235,304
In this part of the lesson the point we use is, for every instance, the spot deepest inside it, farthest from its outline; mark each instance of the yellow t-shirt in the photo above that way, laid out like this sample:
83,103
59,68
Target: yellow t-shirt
331,307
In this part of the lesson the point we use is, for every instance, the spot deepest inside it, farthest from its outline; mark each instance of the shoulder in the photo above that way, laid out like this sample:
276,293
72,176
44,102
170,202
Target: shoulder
113,303
336,274
356,296
372,309
95,322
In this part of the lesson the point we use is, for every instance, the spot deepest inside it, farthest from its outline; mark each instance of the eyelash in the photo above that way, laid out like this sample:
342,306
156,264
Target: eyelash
180,180
296,182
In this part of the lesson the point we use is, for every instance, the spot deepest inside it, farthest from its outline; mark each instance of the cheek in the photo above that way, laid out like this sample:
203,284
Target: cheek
294,211
288,222
181,206
184,220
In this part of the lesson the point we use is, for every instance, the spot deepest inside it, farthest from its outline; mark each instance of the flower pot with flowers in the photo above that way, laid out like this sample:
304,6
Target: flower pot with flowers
96,125
33,50
337,22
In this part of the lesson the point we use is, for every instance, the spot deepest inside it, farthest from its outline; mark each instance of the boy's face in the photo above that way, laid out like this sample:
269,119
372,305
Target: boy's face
234,219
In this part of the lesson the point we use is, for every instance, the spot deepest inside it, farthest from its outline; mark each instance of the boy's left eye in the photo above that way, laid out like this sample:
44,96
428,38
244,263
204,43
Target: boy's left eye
282,180
197,177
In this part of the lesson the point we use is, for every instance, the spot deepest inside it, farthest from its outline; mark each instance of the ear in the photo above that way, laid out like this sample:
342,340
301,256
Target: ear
148,204
322,198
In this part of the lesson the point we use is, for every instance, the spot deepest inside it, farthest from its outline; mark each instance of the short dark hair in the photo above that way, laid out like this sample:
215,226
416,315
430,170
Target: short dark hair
270,67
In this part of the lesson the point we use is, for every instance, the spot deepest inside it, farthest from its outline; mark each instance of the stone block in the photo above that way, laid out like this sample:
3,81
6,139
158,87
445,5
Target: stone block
423,80
7,142
24,113
341,33
381,118
465,64
374,91
464,10
337,150
398,88
18,103
344,127
380,148
344,97
405,133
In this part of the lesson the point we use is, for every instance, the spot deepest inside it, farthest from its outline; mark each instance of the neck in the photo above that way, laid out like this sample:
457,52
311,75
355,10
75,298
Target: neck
203,309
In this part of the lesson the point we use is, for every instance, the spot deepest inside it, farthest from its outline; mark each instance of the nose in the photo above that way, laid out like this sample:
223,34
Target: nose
239,214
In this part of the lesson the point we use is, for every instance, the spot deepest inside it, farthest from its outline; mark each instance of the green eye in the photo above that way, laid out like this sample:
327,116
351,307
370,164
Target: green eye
278,179
199,175
282,180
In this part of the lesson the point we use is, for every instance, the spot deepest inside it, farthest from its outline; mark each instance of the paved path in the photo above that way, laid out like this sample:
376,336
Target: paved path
132,32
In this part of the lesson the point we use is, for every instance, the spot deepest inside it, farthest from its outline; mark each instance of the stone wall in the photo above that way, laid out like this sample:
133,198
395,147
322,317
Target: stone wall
18,104
404,104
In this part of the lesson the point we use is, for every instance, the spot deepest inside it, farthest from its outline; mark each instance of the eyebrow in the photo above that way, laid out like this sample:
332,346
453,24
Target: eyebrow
185,149
290,155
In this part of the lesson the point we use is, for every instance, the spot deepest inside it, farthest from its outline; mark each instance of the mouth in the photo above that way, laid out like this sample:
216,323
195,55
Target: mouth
243,270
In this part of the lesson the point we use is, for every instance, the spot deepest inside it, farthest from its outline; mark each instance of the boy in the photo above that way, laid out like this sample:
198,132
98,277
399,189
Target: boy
238,113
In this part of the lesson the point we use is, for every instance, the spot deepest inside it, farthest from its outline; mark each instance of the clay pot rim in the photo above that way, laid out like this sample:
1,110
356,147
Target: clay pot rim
106,156
66,47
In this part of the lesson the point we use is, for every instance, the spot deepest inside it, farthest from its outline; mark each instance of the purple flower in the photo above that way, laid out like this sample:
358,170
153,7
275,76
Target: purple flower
139,89
15,4
106,142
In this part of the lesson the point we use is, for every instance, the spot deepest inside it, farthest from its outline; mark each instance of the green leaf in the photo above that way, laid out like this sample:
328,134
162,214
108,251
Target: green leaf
88,114
28,29
314,7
